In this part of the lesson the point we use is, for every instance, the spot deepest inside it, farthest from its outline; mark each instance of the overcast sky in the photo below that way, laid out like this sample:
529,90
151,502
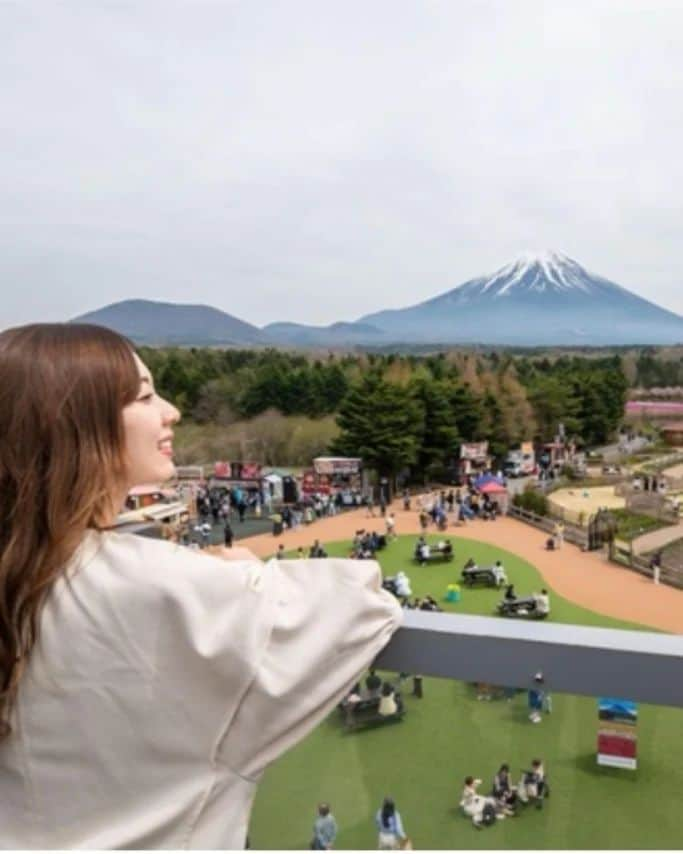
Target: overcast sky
315,160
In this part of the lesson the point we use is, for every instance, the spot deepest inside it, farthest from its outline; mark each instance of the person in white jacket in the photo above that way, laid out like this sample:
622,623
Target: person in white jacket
146,686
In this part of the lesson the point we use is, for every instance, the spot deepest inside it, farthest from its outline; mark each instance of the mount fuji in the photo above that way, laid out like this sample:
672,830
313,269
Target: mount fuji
540,298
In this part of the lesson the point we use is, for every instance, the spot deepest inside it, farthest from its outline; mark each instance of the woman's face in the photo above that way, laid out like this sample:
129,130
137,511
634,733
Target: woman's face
147,425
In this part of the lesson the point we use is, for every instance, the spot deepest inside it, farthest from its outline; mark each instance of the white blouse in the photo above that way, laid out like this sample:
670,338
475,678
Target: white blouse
165,681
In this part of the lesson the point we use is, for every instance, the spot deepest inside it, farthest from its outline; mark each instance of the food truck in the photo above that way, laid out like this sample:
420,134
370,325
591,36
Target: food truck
333,475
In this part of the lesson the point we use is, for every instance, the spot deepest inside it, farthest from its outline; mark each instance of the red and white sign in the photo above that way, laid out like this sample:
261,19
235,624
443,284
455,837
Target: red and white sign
475,451
337,465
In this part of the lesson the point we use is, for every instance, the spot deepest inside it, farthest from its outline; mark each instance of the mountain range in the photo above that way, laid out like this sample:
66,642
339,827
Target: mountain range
540,298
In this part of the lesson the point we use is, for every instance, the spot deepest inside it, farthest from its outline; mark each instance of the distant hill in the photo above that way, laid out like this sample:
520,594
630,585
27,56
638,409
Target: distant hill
540,298
159,323
337,334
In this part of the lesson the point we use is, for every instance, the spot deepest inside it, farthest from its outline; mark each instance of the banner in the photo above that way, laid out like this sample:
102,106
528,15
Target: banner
222,469
251,471
237,471
617,733
337,465
474,450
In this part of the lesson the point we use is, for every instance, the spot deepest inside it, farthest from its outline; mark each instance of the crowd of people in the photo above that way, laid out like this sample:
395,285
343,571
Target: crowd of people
505,798
455,505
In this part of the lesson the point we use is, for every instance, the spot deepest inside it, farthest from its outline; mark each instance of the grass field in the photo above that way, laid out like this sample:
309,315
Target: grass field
422,761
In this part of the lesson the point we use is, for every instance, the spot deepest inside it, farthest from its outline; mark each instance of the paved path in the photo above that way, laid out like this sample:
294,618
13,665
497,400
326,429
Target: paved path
585,578
674,471
657,539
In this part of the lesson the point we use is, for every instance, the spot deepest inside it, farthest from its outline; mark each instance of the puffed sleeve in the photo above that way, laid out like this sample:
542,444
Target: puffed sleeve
331,619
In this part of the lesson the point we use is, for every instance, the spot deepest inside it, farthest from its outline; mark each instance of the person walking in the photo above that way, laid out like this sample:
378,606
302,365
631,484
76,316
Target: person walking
145,690
390,826
559,534
656,566
228,534
324,829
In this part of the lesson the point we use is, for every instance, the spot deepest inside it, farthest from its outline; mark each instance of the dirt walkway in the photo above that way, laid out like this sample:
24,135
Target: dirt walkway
584,578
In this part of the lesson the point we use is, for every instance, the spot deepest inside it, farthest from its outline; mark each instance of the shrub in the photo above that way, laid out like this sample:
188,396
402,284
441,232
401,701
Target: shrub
533,501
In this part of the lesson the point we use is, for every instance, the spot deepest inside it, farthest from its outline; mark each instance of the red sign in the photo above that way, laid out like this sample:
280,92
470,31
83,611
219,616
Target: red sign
222,470
237,471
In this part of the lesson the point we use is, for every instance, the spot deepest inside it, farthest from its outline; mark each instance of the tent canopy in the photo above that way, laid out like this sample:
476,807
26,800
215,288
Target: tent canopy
485,479
492,489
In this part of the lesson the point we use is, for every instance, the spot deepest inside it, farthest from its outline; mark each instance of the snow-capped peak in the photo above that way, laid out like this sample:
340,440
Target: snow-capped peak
538,271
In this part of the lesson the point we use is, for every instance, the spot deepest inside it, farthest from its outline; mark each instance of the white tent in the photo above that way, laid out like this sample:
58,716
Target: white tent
274,481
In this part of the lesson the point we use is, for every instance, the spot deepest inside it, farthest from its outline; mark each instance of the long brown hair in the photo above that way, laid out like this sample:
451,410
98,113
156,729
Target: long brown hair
62,451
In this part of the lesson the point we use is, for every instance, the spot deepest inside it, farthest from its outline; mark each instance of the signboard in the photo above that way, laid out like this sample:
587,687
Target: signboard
474,450
617,733
222,469
337,465
237,471
315,483
250,471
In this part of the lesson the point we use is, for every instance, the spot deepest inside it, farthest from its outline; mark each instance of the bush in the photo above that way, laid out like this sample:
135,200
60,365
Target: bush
533,501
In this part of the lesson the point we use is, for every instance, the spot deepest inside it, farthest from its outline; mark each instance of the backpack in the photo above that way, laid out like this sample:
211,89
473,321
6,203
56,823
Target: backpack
488,816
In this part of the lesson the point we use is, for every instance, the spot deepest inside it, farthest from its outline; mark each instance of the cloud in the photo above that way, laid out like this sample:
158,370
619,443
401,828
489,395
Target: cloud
318,161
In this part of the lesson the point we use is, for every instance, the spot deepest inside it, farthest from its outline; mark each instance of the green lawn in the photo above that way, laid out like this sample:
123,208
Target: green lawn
422,761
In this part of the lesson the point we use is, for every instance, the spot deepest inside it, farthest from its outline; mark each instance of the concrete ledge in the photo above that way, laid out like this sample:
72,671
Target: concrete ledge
642,666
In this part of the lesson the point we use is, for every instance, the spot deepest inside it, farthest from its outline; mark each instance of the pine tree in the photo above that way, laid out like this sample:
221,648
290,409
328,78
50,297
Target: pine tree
379,422
439,435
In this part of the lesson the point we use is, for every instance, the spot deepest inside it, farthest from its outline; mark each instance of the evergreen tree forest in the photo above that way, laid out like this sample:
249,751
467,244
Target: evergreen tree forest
396,410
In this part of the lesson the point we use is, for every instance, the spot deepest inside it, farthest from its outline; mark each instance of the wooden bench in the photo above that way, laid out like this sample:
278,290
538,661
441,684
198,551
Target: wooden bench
434,557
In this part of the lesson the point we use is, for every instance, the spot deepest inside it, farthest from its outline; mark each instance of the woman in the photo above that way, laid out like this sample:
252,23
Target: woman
144,687
503,790
476,806
390,826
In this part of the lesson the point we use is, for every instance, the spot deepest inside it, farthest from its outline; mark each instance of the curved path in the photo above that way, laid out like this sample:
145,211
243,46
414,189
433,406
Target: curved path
584,578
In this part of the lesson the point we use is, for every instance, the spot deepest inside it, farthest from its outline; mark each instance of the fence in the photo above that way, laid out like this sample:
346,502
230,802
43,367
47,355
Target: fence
621,552
572,533
578,518
651,504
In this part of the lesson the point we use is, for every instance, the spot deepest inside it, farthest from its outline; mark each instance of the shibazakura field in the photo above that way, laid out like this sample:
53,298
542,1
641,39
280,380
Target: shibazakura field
421,761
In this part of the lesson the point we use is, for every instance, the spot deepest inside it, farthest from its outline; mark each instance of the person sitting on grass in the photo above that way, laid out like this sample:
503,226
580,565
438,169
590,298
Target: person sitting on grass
503,790
533,786
480,809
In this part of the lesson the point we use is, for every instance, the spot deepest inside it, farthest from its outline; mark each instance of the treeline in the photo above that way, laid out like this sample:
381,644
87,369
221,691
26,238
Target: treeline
399,410
651,370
